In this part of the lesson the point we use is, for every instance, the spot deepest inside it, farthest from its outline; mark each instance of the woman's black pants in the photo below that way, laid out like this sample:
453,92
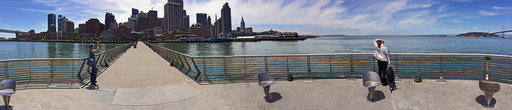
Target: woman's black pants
383,66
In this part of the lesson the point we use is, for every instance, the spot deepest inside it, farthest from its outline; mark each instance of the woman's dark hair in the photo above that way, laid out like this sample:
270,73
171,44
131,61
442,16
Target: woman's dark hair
379,42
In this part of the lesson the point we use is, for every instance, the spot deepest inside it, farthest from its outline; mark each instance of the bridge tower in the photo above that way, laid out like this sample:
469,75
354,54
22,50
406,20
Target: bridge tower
503,29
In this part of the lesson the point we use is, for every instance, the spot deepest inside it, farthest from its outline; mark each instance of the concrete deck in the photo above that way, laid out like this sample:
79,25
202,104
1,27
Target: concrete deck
140,79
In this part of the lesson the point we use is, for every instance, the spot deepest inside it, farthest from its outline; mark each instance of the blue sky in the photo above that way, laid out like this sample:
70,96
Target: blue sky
321,17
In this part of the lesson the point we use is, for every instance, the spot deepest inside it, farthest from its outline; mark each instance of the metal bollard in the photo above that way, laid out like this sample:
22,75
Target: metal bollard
371,80
7,88
265,80
489,88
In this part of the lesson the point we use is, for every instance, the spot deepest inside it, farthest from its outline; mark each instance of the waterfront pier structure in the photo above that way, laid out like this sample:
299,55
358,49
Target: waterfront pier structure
141,79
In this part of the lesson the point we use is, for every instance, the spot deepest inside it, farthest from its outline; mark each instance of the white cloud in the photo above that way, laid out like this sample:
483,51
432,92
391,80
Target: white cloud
442,8
475,27
502,8
456,21
366,16
487,13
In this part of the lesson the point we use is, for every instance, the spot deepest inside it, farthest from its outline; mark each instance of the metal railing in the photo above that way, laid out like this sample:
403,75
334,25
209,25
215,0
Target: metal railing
228,69
54,72
103,60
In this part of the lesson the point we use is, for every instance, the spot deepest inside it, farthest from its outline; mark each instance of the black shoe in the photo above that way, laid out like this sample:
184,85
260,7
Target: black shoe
392,89
93,87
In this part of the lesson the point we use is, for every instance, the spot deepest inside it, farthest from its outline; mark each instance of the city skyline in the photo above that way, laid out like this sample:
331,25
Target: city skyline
349,17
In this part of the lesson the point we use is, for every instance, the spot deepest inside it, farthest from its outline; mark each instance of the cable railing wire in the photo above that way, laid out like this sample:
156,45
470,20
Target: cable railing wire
232,69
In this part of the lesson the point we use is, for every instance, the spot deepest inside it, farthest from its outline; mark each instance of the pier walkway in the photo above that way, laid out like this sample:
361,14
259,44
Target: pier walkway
140,79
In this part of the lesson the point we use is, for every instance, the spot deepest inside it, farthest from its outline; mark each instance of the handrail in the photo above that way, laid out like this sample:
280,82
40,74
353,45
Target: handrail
102,59
243,68
53,72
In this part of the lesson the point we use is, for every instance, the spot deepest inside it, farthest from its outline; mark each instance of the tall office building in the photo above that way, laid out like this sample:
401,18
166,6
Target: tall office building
242,25
93,26
59,24
160,22
201,18
70,27
62,26
81,28
142,21
51,20
186,20
109,18
152,19
135,12
173,16
226,18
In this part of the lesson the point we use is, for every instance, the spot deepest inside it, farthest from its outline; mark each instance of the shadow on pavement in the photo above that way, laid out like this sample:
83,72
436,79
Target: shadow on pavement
377,96
481,100
275,97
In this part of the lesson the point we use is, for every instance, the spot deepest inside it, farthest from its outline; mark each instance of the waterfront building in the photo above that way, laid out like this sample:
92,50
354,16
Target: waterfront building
133,18
226,18
242,26
59,23
158,31
186,21
201,19
248,30
109,18
199,30
142,21
152,19
122,32
217,26
62,26
160,22
130,25
52,28
173,16
51,20
93,26
70,27
113,25
81,28
135,11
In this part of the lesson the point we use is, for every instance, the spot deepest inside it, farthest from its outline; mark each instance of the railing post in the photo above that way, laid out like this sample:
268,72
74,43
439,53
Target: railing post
441,80
197,69
245,66
266,64
225,69
181,61
6,65
188,65
309,66
351,78
330,64
80,71
287,65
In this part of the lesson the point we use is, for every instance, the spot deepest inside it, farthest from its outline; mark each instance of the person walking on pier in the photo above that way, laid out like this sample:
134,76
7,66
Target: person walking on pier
382,54
91,61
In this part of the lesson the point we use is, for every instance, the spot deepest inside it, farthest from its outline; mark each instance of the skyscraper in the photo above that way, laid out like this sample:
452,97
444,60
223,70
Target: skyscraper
93,26
70,27
186,20
51,20
135,12
142,21
60,23
242,26
201,18
152,19
173,16
109,18
226,18
62,26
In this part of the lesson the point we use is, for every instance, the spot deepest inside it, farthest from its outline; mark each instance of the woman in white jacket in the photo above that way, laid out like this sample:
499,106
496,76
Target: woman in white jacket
382,54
